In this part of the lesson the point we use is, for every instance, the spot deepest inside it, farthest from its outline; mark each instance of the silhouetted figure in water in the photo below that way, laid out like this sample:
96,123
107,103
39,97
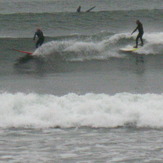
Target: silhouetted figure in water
78,9
140,34
40,36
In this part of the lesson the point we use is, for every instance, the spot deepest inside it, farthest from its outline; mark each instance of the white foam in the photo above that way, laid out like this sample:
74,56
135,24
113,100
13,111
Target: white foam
79,50
104,49
153,44
72,110
115,38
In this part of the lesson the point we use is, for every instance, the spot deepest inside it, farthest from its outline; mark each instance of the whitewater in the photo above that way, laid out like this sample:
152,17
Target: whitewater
80,50
72,110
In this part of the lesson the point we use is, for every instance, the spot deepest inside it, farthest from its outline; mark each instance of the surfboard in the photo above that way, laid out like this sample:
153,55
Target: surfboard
90,9
129,49
21,51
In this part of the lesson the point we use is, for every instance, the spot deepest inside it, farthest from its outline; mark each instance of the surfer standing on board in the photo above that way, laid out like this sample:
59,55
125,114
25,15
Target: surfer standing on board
140,34
40,36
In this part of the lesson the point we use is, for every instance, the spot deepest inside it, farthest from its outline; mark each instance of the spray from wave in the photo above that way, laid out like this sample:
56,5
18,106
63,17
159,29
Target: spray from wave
154,44
89,110
107,47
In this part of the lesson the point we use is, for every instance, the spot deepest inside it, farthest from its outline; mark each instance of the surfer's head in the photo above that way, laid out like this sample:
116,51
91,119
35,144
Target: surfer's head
137,22
38,29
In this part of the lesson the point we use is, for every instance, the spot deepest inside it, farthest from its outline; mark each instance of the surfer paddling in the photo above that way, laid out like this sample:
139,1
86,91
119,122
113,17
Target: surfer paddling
79,9
140,34
40,36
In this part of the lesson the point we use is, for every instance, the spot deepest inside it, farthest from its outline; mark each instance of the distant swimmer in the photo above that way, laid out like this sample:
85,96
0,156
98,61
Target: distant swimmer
40,36
78,9
140,34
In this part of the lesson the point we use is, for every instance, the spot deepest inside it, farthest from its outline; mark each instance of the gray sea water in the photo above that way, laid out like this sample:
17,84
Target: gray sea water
80,99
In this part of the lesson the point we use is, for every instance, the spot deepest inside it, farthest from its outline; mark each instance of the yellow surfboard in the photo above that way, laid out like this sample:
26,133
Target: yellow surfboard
129,49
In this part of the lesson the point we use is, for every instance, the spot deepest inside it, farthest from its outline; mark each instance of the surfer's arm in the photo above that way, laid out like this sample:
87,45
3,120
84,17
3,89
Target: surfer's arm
134,30
34,37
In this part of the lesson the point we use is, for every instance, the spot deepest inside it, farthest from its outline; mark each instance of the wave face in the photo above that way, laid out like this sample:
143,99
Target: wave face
107,47
100,46
89,110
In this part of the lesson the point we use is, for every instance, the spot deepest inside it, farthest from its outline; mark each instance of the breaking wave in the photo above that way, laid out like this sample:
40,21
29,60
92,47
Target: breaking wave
89,110
107,47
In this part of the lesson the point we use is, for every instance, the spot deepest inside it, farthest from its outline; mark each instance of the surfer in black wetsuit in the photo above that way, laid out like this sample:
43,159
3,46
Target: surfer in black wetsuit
40,36
78,9
140,34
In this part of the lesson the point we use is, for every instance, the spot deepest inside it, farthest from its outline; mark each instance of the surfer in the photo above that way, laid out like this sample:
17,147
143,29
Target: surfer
140,34
78,9
40,36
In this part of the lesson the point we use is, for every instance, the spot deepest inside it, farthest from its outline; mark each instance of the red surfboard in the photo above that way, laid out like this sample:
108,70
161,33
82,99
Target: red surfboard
23,51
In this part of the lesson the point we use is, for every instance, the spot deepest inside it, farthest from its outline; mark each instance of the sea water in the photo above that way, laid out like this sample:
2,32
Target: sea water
80,99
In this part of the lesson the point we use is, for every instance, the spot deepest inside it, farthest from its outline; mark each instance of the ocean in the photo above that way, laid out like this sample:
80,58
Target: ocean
80,99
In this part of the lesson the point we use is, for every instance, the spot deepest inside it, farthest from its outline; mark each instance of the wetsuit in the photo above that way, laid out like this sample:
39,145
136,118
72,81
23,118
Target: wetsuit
40,36
140,34
79,8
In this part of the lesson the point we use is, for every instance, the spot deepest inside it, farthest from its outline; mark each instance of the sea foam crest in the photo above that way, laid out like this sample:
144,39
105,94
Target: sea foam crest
72,110
153,44
67,46
81,50
103,49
